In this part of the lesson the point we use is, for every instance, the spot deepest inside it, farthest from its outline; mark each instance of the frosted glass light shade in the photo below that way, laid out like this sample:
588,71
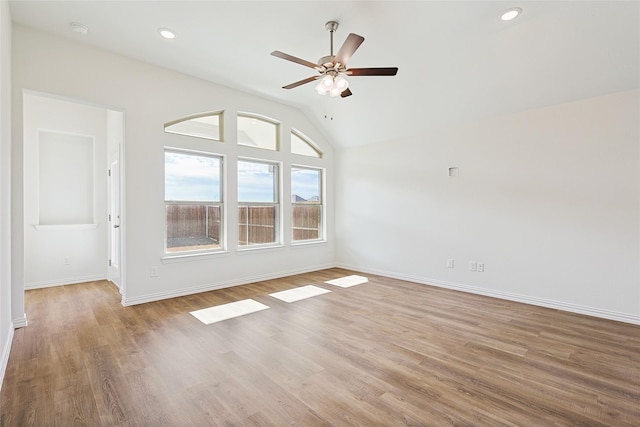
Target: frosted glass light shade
341,83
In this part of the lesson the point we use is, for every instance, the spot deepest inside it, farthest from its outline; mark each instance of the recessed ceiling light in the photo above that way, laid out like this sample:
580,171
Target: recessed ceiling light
167,33
78,28
510,14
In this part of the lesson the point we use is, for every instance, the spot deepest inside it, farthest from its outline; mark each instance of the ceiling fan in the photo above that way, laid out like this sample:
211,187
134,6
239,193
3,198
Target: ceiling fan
332,68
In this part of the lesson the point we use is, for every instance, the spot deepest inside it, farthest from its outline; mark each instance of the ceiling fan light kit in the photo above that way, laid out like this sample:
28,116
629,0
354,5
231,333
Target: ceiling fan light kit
332,83
332,68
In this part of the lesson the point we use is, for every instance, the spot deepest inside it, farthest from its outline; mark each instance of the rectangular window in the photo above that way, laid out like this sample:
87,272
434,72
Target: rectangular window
193,201
258,203
306,204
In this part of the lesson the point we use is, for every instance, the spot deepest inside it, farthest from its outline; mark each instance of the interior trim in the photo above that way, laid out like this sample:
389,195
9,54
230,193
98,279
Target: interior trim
541,302
5,355
127,301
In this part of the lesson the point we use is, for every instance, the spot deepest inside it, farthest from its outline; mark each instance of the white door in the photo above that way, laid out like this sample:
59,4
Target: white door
113,273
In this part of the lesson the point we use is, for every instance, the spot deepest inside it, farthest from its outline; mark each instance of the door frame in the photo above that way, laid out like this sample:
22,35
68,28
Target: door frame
114,219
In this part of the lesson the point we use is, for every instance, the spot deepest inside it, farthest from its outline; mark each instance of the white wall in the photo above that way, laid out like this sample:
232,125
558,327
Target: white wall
151,96
6,327
548,200
83,247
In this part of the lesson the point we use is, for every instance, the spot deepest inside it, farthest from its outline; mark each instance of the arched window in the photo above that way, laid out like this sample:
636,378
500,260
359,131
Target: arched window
195,191
258,131
302,145
203,125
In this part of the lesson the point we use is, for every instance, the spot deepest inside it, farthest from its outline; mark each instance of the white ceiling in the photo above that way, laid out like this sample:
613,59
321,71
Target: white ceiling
457,61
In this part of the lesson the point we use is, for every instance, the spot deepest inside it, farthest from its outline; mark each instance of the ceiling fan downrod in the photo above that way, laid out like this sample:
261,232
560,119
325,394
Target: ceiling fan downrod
331,26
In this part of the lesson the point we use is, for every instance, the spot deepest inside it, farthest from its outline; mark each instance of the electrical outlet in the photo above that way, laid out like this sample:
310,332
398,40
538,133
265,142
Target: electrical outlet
480,267
473,266
153,271
449,263
66,260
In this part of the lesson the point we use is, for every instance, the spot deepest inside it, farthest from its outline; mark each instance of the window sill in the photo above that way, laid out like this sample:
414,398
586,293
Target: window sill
258,249
304,243
169,259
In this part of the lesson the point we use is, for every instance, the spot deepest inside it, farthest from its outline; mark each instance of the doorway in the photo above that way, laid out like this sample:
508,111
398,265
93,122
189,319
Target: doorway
72,188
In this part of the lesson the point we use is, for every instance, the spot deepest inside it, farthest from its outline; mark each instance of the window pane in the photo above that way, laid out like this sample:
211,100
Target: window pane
257,225
302,147
207,127
306,209
305,185
257,182
255,132
192,201
305,222
191,177
192,227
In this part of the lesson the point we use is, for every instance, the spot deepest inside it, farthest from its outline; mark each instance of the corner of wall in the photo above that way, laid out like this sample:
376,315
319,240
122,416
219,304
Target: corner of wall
6,327
20,322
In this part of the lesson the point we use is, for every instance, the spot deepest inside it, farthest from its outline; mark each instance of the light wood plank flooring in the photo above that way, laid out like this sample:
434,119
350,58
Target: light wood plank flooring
385,353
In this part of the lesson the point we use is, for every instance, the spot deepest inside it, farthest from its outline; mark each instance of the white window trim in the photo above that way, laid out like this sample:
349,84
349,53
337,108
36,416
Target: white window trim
323,216
277,204
266,119
309,142
222,240
219,114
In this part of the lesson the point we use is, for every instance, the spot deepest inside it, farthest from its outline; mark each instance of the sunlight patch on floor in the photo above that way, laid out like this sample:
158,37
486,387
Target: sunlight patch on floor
297,294
348,281
222,312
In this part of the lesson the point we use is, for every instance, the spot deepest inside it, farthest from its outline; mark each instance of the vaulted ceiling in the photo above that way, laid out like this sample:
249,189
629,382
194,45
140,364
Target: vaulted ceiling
457,61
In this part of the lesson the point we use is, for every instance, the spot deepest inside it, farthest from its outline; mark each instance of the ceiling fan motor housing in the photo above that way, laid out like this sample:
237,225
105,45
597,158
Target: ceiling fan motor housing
326,61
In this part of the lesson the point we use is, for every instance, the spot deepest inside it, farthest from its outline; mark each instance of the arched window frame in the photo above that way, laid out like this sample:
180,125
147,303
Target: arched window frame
219,114
260,118
304,138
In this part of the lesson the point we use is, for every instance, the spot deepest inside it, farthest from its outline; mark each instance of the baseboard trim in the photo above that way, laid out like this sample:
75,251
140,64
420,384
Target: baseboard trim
219,285
541,302
62,282
20,322
5,355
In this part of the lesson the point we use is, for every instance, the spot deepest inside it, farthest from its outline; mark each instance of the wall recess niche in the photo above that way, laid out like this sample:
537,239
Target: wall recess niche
65,179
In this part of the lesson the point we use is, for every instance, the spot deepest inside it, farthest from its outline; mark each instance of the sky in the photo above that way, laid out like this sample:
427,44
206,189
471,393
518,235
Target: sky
257,182
305,183
190,177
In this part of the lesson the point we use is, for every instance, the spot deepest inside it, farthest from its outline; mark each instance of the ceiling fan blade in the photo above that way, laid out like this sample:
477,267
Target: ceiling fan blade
387,71
346,93
301,82
350,45
288,57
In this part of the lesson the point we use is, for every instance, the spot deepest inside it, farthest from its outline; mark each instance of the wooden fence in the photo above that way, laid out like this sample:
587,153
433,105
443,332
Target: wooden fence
305,222
256,225
193,225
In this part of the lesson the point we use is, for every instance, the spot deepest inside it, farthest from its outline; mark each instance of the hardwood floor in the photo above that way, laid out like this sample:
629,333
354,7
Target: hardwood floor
387,353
